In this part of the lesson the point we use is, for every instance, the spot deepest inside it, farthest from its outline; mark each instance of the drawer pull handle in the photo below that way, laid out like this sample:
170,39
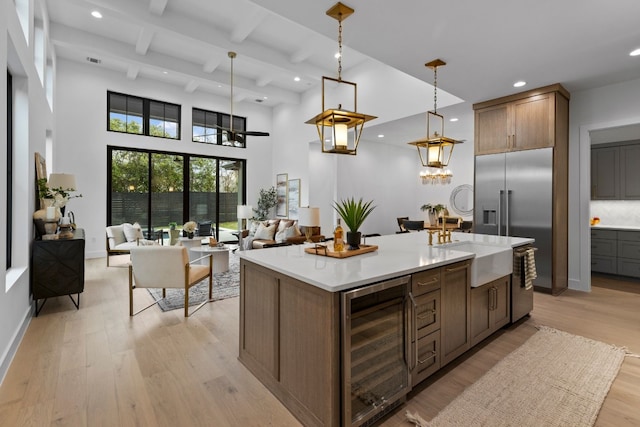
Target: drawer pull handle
426,314
426,359
452,269
433,280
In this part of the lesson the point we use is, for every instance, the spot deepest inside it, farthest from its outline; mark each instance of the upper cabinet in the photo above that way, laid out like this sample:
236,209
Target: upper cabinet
523,121
614,171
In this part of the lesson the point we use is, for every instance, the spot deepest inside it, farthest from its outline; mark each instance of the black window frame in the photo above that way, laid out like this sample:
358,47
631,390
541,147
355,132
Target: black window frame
9,225
219,120
146,115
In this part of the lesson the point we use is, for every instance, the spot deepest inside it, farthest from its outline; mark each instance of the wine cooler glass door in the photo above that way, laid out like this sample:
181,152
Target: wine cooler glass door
376,373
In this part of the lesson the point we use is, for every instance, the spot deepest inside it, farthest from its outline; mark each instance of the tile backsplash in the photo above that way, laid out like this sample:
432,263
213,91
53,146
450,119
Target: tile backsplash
616,212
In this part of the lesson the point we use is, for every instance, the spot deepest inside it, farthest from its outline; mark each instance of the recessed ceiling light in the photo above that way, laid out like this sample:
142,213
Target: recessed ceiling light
453,119
635,52
519,83
96,14
296,78
165,72
381,136
264,97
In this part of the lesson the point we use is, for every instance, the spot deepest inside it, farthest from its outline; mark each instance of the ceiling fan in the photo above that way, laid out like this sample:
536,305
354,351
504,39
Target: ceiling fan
237,135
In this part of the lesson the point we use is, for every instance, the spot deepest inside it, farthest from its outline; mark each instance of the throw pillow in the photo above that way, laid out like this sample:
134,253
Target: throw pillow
133,232
291,231
283,224
254,227
265,233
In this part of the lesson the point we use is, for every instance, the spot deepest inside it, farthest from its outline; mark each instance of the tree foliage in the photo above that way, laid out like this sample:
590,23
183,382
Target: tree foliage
267,199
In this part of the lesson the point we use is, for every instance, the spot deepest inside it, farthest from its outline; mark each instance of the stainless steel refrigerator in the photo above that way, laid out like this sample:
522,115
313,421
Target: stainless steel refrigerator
514,197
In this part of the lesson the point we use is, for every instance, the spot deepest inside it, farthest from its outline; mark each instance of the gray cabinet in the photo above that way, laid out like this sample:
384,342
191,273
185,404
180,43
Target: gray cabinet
615,252
604,248
614,171
605,179
629,253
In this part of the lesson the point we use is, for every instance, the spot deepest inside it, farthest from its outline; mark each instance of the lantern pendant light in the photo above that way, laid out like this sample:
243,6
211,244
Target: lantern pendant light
339,129
435,150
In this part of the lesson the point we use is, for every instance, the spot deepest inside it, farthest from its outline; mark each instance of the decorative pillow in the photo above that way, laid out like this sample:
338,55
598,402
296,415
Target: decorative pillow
254,227
132,232
291,231
283,224
265,233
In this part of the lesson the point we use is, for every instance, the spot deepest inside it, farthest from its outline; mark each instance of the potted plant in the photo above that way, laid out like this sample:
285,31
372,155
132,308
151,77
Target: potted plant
268,199
353,214
434,211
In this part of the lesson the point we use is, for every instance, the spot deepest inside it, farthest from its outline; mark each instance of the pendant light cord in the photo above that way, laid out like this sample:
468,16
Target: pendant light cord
340,48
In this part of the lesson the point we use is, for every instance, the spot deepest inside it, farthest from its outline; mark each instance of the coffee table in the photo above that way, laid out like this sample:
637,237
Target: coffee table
220,256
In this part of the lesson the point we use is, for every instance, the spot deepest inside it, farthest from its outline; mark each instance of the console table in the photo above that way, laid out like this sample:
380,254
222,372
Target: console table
57,268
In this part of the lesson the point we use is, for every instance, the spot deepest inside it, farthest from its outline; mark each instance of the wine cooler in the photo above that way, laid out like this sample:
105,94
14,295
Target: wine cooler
375,346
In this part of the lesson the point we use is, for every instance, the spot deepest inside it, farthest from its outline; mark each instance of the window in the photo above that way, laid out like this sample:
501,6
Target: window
156,188
133,114
9,224
207,124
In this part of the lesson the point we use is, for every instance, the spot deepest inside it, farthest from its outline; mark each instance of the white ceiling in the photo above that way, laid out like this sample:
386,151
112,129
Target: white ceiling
487,44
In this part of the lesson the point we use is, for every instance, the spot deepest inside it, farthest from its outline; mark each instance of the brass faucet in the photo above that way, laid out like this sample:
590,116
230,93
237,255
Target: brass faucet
444,235
431,236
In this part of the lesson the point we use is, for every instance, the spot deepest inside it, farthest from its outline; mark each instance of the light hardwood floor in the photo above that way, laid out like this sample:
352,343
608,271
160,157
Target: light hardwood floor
97,366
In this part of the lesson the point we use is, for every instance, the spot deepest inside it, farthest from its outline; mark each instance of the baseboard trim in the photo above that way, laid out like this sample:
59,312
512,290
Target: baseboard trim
12,349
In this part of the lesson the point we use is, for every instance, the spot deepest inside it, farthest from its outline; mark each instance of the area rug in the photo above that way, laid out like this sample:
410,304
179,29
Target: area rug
225,285
553,379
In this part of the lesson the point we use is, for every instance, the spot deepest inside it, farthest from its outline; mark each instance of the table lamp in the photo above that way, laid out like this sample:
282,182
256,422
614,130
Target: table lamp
309,218
243,212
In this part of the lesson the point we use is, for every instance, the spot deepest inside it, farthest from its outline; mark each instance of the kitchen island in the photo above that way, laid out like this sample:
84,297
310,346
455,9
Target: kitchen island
291,315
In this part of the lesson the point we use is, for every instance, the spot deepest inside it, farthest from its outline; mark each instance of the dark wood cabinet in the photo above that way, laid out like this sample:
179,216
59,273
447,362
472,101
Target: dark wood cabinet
455,323
490,308
57,268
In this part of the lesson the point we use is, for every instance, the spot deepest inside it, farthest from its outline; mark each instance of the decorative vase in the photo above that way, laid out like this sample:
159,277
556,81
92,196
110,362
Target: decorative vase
174,235
190,235
353,239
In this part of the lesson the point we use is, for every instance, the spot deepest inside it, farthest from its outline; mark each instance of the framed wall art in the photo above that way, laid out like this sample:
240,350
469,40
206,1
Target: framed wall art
294,198
282,192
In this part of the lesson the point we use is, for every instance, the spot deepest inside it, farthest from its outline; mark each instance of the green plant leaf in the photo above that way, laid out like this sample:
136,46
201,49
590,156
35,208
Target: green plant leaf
353,213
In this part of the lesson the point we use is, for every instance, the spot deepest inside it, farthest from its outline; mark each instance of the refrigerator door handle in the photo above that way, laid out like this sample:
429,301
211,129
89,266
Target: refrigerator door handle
499,215
507,205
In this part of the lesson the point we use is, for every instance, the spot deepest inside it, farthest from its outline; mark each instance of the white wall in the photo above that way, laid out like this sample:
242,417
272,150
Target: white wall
32,121
82,138
600,108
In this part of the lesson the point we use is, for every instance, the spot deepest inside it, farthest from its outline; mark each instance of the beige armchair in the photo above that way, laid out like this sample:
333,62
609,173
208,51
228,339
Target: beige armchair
167,267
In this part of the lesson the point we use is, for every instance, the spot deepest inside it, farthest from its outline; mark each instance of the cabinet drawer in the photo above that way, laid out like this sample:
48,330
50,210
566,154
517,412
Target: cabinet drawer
427,356
628,268
427,315
604,247
629,236
603,234
425,281
602,264
629,250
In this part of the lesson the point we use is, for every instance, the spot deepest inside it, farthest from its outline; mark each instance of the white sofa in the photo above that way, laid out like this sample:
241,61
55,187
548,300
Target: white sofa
121,238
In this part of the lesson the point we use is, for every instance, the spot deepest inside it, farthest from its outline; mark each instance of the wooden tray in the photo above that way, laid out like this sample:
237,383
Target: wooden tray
326,250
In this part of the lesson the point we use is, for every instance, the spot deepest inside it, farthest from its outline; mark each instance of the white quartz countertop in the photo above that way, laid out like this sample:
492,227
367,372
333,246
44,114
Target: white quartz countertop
397,255
616,227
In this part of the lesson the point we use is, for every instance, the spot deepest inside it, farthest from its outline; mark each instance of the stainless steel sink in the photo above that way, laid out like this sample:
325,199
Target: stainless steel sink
490,262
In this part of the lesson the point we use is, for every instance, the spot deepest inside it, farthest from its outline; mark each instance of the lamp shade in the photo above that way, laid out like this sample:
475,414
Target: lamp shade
66,181
309,217
245,211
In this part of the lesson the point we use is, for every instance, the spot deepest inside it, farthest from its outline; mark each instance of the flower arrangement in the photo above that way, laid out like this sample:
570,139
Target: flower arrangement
59,195
189,227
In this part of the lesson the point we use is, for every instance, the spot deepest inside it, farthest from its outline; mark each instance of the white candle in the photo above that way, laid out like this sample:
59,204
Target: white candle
51,212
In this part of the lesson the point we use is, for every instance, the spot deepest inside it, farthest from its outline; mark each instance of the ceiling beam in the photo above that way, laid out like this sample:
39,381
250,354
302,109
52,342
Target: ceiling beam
145,36
248,25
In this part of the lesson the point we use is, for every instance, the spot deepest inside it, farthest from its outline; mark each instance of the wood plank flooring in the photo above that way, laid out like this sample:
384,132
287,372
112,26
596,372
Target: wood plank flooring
97,366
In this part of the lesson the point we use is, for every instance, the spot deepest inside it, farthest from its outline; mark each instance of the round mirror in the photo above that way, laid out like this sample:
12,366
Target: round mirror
461,200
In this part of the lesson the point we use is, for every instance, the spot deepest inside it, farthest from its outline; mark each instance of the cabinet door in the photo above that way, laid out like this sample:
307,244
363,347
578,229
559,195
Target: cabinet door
501,312
427,313
491,131
455,292
533,122
427,357
480,314
605,178
629,172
